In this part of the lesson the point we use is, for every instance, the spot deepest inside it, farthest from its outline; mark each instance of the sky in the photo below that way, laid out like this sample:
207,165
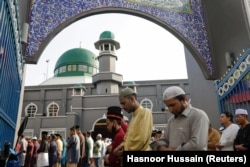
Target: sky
147,52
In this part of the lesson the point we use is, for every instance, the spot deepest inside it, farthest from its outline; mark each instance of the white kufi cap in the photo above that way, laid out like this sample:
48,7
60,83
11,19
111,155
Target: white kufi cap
99,135
172,92
241,111
34,138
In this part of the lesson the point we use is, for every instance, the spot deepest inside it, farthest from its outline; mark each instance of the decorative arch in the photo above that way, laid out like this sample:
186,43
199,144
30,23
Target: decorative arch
186,22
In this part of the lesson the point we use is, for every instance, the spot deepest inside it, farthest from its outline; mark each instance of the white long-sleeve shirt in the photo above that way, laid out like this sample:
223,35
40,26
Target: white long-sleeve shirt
227,137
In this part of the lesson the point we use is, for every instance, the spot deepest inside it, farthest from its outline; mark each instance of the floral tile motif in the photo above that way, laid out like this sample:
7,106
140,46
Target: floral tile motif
185,16
177,5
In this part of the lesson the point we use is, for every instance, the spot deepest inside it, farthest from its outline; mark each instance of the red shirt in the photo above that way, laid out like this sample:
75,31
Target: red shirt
115,161
124,125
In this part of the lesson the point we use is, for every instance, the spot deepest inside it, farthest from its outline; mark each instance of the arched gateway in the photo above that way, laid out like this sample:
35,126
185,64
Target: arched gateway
27,27
184,18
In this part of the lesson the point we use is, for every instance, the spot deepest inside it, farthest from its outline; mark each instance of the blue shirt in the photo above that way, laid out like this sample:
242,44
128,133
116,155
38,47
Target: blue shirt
73,152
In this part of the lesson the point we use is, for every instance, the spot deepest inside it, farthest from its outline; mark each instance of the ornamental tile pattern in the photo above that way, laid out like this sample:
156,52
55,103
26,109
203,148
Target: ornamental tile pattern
184,16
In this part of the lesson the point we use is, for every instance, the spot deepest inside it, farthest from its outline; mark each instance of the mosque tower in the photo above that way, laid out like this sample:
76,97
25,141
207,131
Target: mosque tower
107,81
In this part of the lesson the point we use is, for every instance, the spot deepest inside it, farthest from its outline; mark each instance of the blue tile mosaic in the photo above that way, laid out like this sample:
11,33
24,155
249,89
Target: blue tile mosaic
185,16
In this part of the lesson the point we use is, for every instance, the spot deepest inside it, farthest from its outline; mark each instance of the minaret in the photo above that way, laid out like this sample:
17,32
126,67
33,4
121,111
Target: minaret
107,81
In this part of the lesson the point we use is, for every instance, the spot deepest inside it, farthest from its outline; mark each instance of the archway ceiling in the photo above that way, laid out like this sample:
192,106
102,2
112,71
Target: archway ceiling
184,18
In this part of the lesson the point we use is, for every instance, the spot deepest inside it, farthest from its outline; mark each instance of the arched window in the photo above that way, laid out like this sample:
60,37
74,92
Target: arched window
146,103
31,110
53,109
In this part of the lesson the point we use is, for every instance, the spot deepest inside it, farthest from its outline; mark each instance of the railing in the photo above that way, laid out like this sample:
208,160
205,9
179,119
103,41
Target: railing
233,91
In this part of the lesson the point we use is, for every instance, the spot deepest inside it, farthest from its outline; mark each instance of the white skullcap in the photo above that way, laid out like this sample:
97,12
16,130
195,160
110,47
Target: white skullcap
172,92
34,138
99,135
241,111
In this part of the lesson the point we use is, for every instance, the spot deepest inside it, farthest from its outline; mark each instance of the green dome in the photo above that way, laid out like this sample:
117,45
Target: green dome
130,82
76,57
107,35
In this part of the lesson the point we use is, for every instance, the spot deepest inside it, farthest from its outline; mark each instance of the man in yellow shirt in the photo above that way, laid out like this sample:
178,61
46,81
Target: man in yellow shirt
59,147
138,135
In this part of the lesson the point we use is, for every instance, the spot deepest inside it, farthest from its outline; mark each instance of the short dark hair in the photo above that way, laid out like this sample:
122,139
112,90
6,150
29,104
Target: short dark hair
89,133
73,128
229,115
53,136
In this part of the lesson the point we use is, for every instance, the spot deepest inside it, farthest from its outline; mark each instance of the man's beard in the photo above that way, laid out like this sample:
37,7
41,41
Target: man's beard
181,111
182,108
131,110
113,130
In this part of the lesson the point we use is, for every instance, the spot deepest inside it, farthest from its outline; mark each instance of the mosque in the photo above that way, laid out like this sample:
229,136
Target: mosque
216,46
83,87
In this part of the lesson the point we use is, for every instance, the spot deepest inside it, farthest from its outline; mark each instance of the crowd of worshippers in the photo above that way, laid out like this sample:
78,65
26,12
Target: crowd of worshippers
77,149
188,129
30,147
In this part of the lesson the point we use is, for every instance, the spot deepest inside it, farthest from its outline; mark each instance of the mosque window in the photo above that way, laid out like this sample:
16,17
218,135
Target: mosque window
53,109
69,67
78,91
83,68
73,67
106,46
90,69
62,69
31,110
112,48
146,103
